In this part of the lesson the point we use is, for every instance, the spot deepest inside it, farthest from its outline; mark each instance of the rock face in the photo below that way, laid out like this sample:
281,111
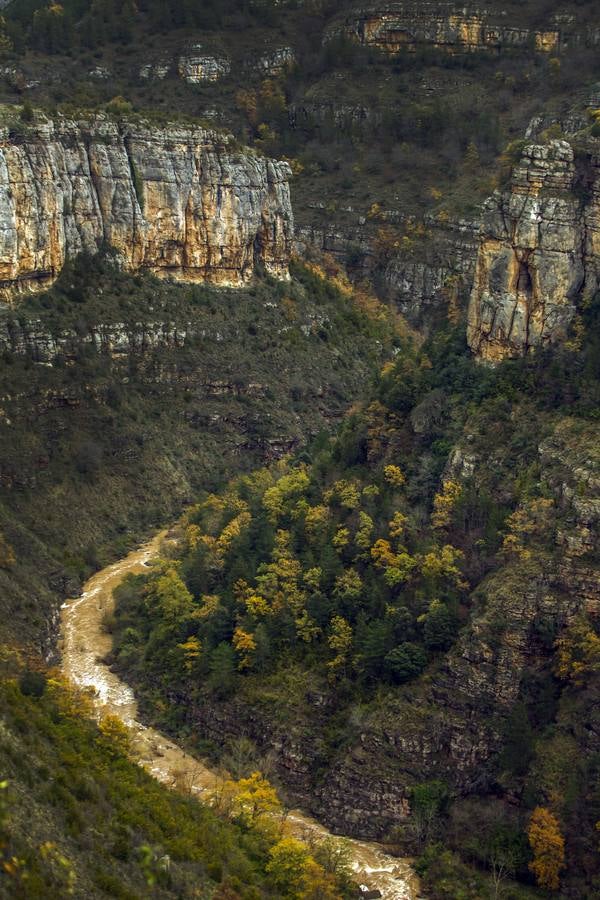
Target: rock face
422,284
396,26
178,201
196,66
538,253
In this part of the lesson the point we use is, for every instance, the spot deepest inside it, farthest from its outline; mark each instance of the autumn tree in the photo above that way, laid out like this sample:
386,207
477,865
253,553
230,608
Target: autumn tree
244,645
169,596
248,800
444,504
287,865
296,875
340,641
191,652
531,520
548,847
394,476
577,653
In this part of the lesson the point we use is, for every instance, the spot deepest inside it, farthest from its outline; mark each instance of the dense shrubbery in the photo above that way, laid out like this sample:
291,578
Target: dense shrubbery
79,817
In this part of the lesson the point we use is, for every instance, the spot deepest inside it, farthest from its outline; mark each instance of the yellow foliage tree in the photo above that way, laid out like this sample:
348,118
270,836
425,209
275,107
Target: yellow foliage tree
348,585
443,565
341,539
312,578
316,521
394,476
401,569
444,504
249,799
578,652
230,533
209,603
318,884
548,847
277,500
397,525
362,538
116,733
169,594
191,652
296,875
382,554
245,645
287,866
278,581
339,640
344,493
532,519
257,606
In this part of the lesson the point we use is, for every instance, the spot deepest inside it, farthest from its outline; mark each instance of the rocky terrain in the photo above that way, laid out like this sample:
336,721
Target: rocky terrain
397,26
537,255
179,202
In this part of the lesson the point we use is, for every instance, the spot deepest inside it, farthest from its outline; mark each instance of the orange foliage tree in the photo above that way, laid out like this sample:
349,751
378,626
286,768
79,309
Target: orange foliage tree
548,846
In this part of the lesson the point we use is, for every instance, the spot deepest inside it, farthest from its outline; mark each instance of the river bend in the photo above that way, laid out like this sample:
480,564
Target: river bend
84,646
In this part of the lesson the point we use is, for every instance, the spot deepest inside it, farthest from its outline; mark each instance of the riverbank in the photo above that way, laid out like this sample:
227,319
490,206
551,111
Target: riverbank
84,645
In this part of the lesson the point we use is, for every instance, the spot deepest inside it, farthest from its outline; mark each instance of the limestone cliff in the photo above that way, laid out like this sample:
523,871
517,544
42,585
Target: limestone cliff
395,26
177,200
531,261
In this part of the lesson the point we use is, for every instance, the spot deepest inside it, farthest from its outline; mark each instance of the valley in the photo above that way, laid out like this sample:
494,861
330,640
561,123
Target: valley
315,284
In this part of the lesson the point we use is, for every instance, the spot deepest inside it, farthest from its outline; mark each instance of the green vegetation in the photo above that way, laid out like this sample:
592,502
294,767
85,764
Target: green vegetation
79,817
349,572
129,396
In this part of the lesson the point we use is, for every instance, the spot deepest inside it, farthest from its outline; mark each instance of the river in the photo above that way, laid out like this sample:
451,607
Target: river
85,644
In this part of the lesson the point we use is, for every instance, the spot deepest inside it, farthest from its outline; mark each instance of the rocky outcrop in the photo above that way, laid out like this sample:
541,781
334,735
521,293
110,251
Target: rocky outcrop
196,66
396,26
177,200
533,256
276,62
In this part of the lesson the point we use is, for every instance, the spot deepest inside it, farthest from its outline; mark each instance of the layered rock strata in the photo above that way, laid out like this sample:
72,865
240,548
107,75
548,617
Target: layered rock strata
177,200
396,26
537,253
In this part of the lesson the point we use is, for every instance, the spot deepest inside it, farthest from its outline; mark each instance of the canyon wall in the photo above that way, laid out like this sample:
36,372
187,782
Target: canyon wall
176,200
538,253
396,26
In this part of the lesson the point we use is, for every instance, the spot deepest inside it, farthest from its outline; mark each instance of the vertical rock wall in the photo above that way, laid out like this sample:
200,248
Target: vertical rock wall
176,200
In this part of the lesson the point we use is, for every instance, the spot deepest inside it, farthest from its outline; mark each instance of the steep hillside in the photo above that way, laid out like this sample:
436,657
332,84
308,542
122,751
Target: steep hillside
80,818
123,396
405,620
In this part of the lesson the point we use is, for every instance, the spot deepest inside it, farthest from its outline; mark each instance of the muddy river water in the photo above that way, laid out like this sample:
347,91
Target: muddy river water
84,645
